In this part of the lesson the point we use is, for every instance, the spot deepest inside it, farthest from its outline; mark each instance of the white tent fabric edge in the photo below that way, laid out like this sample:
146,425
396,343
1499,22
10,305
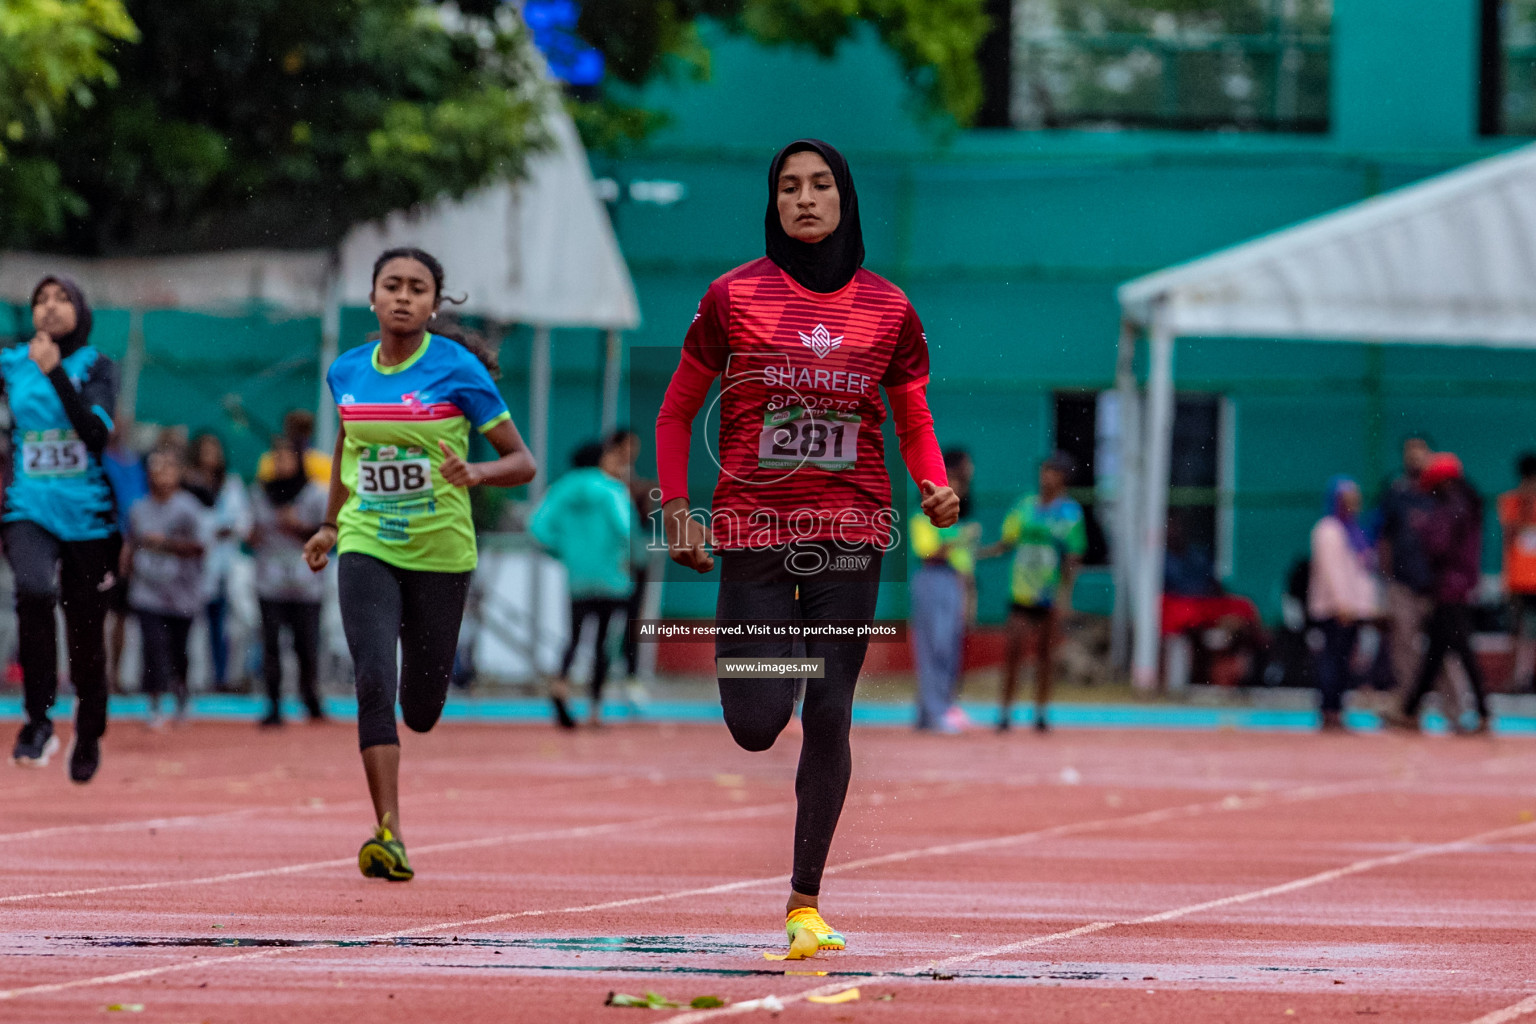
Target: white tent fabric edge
1447,261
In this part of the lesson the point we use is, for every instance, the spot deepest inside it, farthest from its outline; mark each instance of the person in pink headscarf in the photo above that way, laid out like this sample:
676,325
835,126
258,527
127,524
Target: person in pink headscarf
1341,592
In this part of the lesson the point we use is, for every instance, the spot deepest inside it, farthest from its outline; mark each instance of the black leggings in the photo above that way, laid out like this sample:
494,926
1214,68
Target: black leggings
583,608
632,610
165,654
758,586
1450,632
382,605
303,620
82,588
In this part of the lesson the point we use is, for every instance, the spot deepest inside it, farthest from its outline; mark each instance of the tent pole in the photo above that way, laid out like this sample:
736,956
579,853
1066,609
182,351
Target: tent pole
1157,445
133,366
613,369
1127,490
538,409
330,344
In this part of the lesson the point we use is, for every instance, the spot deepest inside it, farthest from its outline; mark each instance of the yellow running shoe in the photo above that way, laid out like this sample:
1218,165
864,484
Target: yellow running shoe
383,856
808,921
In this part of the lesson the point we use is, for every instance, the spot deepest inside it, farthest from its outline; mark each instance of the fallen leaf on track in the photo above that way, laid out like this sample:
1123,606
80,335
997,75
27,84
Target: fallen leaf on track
848,995
649,1001
126,1008
706,1002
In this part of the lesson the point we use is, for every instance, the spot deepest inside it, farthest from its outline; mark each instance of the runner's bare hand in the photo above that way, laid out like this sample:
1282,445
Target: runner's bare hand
43,351
456,471
688,540
317,550
940,504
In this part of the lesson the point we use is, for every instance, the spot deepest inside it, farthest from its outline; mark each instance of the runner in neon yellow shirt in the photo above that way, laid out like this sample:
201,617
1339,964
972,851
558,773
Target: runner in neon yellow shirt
399,516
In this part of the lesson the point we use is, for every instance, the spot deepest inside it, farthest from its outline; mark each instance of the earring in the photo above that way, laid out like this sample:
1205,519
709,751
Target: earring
432,317
370,307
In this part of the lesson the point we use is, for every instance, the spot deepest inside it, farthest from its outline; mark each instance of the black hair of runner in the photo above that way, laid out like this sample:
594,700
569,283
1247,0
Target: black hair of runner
72,341
449,327
829,264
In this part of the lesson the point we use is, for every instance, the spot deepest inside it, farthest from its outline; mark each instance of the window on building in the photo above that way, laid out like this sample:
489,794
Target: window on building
1507,98
1258,65
1088,426
1077,434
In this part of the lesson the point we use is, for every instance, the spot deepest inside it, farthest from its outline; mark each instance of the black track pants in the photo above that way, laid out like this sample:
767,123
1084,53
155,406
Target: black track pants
760,586
78,576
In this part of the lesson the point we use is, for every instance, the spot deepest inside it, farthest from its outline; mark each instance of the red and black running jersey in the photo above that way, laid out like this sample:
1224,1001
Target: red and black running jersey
800,450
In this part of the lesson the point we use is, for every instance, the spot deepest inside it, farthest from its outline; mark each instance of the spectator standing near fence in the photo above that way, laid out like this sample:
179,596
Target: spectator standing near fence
124,466
1046,533
163,551
941,592
1406,597
228,523
1451,534
1341,593
588,520
1517,517
286,511
299,430
628,444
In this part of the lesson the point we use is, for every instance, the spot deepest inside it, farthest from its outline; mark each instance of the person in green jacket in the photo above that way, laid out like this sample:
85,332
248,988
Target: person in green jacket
587,520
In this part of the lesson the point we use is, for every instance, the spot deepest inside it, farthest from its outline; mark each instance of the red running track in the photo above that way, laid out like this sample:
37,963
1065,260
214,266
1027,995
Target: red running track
208,875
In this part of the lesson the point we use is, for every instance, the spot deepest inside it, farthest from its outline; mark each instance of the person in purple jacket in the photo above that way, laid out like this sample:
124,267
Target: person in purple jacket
1451,532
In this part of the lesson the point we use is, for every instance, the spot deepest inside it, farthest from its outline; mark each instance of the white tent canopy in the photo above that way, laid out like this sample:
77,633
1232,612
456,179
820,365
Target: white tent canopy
234,281
539,251
1448,261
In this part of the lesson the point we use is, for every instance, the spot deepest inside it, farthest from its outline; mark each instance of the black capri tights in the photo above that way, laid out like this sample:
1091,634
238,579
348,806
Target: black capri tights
382,606
759,586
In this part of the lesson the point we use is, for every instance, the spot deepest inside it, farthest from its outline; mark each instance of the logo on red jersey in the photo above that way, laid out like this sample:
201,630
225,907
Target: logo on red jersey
820,341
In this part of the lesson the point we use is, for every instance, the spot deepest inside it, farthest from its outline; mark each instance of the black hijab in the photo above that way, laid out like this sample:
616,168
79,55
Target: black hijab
284,490
827,265
72,341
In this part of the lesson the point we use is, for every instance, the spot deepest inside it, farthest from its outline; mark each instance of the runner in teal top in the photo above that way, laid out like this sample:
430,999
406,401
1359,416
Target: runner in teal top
60,524
399,514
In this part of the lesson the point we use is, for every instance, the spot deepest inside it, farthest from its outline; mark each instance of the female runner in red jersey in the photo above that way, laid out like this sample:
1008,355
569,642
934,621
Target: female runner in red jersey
803,341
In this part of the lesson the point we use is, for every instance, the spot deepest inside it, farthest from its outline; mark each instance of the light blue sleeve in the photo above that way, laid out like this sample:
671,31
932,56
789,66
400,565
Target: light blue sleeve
476,394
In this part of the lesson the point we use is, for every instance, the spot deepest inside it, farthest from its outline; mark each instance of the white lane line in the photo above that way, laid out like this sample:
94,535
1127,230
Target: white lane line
184,820
1320,878
180,821
1523,1008
577,832
1230,803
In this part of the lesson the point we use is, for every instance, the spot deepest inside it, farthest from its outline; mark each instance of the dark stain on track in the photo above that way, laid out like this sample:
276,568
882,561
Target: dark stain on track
652,944
621,945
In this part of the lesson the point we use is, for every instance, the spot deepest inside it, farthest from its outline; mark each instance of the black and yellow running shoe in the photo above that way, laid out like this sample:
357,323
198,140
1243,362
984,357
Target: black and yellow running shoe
383,856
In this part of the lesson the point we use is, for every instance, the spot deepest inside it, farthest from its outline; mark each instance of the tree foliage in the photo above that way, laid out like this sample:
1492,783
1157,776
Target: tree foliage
53,54
934,40
283,122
